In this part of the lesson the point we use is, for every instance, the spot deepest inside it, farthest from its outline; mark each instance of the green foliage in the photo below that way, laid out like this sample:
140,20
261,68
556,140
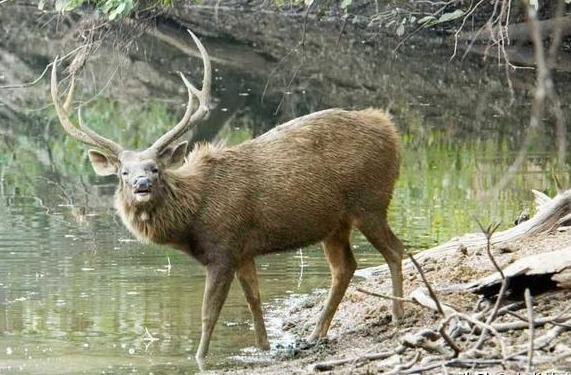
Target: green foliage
445,17
113,9
233,136
346,4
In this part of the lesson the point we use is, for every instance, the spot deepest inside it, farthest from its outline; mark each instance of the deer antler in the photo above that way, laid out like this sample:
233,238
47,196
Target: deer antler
84,135
203,97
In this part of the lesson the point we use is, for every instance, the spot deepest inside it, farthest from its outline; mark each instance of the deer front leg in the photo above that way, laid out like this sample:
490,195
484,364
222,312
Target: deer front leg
218,280
248,278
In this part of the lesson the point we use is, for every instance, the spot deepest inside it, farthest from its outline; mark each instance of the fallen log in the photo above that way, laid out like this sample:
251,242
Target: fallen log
526,270
550,215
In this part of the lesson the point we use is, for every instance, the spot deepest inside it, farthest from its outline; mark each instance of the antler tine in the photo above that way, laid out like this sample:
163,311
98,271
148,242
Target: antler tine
85,135
70,93
202,95
207,77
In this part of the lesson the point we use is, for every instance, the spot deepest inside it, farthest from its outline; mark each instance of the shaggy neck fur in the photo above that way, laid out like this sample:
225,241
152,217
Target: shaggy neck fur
167,216
176,201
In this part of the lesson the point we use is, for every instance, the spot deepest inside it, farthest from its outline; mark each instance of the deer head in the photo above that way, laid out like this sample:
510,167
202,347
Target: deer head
139,172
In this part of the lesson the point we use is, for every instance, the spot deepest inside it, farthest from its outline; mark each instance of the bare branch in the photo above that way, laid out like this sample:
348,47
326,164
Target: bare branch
529,305
386,296
430,291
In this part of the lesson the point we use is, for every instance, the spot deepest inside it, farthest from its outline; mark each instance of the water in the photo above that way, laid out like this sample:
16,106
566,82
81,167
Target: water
78,295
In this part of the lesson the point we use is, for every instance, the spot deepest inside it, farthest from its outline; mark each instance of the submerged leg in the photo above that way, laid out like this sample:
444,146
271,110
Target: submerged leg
248,278
342,265
218,281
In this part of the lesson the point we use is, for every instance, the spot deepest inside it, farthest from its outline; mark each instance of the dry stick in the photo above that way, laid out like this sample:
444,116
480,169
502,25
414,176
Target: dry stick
342,30
329,365
537,107
442,329
539,343
386,296
470,11
551,60
405,366
28,84
305,17
483,326
488,233
448,339
300,65
529,305
538,322
430,291
444,369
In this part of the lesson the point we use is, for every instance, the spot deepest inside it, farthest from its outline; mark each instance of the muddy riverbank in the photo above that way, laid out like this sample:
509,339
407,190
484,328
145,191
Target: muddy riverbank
362,326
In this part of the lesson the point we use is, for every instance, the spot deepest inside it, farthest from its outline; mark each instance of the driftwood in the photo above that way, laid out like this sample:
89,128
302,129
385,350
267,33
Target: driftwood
563,279
548,264
551,214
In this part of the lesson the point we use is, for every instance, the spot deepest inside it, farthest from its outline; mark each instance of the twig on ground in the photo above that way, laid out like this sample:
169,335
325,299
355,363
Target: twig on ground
448,339
484,327
419,296
547,339
405,366
425,339
494,312
386,296
488,233
538,322
430,291
529,305
330,365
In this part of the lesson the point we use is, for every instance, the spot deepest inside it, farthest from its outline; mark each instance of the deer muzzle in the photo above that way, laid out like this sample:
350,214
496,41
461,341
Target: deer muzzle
142,188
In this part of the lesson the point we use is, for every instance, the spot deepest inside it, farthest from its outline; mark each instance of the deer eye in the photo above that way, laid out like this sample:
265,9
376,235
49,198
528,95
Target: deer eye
154,169
124,173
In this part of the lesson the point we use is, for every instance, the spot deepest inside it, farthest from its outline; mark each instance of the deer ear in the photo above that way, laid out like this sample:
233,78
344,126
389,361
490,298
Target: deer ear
102,164
174,156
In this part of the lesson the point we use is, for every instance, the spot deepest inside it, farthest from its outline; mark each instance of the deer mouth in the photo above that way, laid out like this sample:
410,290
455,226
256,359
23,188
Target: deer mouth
142,195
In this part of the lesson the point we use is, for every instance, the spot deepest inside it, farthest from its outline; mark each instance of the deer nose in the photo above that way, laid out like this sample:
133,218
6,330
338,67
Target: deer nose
142,183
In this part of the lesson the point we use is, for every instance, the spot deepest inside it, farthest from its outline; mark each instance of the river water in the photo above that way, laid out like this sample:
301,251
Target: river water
79,295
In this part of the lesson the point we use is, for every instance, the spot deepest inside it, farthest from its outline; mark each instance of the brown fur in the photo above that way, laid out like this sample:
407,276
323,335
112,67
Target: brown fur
306,181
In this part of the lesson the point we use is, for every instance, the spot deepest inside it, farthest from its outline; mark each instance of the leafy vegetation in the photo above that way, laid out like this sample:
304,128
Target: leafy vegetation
113,9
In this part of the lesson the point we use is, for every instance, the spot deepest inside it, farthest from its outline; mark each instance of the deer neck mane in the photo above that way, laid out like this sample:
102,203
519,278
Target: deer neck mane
167,217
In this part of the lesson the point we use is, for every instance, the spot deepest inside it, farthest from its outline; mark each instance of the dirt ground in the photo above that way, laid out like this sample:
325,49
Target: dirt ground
362,325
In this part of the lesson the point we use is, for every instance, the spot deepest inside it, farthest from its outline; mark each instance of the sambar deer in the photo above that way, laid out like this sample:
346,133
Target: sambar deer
311,179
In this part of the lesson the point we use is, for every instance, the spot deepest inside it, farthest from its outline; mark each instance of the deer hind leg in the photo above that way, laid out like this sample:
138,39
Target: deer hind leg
380,235
248,278
218,280
342,264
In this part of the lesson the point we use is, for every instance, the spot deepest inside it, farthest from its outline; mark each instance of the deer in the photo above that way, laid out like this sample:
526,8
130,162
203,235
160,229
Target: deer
312,179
